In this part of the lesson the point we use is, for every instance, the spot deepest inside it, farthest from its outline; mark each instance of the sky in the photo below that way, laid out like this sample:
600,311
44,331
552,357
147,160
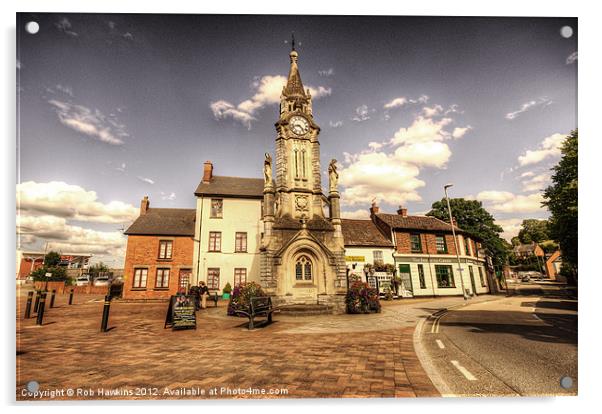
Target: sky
113,107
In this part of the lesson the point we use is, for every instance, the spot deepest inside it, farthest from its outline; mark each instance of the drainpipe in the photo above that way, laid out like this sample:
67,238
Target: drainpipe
198,257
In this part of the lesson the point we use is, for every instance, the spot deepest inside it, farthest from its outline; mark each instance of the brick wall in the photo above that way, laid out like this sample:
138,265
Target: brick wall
143,251
427,240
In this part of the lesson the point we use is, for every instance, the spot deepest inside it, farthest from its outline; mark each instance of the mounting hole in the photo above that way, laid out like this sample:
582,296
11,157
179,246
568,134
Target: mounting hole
32,27
33,386
566,31
566,382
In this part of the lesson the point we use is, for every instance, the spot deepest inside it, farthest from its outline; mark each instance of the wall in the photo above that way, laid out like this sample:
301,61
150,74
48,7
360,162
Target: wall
239,215
368,254
142,252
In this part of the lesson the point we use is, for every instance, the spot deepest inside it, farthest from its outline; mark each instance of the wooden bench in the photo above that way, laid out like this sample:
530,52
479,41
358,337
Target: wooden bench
214,297
259,306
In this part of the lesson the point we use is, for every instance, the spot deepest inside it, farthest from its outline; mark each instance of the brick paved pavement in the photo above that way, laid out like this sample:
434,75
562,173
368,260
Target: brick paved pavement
338,360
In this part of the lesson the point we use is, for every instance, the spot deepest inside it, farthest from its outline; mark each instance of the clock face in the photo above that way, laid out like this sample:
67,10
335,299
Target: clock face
299,125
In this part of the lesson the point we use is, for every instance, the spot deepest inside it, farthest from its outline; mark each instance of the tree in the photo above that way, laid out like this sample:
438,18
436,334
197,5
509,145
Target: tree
534,230
473,218
515,241
561,199
52,259
99,267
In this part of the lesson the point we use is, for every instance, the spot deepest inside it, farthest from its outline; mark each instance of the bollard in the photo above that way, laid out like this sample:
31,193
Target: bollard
105,314
41,309
52,298
71,297
37,303
28,305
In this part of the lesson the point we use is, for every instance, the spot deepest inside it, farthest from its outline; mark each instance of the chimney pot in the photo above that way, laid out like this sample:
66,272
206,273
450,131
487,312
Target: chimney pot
374,209
403,212
207,171
144,205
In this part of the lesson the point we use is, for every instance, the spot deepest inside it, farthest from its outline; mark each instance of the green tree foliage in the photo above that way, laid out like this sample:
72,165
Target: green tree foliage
98,268
533,230
58,273
474,219
52,259
515,241
561,200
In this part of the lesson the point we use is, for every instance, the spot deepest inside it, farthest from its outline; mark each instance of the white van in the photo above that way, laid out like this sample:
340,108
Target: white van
83,280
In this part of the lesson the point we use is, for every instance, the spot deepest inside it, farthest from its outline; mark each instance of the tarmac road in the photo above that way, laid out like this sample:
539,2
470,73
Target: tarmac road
520,345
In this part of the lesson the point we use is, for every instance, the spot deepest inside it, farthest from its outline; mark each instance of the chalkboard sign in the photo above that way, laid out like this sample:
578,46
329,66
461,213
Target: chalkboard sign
181,313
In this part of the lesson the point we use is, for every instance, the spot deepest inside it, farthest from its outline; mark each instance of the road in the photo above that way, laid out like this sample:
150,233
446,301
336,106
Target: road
521,345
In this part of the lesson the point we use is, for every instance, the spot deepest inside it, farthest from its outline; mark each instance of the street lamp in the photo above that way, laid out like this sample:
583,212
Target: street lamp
451,222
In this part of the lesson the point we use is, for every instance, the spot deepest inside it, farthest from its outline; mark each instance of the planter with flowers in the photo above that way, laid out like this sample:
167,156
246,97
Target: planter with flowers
361,298
227,291
241,296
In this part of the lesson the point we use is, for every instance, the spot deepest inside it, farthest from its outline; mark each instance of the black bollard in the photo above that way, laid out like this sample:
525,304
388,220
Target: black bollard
41,309
28,305
71,297
52,298
105,314
37,303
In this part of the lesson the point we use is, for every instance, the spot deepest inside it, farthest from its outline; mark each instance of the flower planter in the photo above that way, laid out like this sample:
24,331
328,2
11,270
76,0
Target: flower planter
226,296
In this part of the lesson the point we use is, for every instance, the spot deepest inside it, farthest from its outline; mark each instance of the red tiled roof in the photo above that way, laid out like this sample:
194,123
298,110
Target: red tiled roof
164,222
239,187
363,233
427,223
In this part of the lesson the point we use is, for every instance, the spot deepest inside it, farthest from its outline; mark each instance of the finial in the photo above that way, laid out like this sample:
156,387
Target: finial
293,41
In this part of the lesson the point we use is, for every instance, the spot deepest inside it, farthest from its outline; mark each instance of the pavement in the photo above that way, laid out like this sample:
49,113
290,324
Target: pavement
512,346
295,357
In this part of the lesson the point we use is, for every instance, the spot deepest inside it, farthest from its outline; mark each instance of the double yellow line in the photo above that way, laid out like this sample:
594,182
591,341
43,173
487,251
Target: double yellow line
435,324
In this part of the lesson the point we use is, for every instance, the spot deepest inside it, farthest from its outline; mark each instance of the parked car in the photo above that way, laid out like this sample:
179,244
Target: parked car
83,280
102,281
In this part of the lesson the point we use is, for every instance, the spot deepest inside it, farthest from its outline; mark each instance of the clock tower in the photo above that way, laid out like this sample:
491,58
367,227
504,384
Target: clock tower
302,252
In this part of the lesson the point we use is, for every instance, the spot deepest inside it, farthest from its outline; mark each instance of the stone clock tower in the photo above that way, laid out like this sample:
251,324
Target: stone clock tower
302,251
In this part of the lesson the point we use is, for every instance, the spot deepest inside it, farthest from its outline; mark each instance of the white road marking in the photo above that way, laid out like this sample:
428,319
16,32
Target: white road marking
537,317
435,325
440,344
464,371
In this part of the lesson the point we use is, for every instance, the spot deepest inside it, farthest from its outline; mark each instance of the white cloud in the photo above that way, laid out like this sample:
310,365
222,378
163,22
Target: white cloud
402,100
536,182
65,89
68,238
527,106
92,123
121,167
572,58
326,72
459,132
170,196
71,201
266,91
361,113
335,124
495,196
429,154
549,147
422,130
432,111
513,203
64,25
358,214
146,180
511,227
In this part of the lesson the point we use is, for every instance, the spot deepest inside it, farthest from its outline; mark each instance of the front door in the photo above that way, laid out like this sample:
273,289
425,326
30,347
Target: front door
184,279
405,288
472,283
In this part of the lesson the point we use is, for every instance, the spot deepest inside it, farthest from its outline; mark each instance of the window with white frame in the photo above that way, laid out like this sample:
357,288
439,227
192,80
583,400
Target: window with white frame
140,276
162,280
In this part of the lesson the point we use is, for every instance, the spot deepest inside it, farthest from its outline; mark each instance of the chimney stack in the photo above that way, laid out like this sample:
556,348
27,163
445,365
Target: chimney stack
144,205
374,209
207,171
403,212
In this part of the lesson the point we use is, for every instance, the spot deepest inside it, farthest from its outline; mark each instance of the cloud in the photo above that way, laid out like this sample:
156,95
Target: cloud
536,182
64,25
495,196
266,91
527,106
358,214
402,101
128,36
389,170
361,114
71,202
336,124
170,196
572,58
506,202
69,238
146,180
460,132
90,122
326,72
511,227
549,147
429,112
121,167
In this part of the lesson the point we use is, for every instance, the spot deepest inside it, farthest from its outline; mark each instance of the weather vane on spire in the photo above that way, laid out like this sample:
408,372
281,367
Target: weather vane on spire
293,40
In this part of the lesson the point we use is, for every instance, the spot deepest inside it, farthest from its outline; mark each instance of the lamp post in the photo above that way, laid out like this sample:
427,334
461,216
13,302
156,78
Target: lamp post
451,223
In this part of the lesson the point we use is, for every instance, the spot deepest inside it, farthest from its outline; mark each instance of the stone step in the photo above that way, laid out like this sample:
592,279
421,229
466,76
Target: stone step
305,309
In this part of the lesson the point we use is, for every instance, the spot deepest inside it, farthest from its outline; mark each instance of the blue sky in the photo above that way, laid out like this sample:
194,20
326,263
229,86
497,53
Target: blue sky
115,107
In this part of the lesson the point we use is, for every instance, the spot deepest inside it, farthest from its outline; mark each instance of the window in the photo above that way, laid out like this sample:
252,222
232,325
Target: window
241,242
303,269
296,163
378,256
240,275
445,278
215,241
217,205
184,278
165,248
140,276
441,245
421,276
303,163
415,243
481,276
162,281
213,278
